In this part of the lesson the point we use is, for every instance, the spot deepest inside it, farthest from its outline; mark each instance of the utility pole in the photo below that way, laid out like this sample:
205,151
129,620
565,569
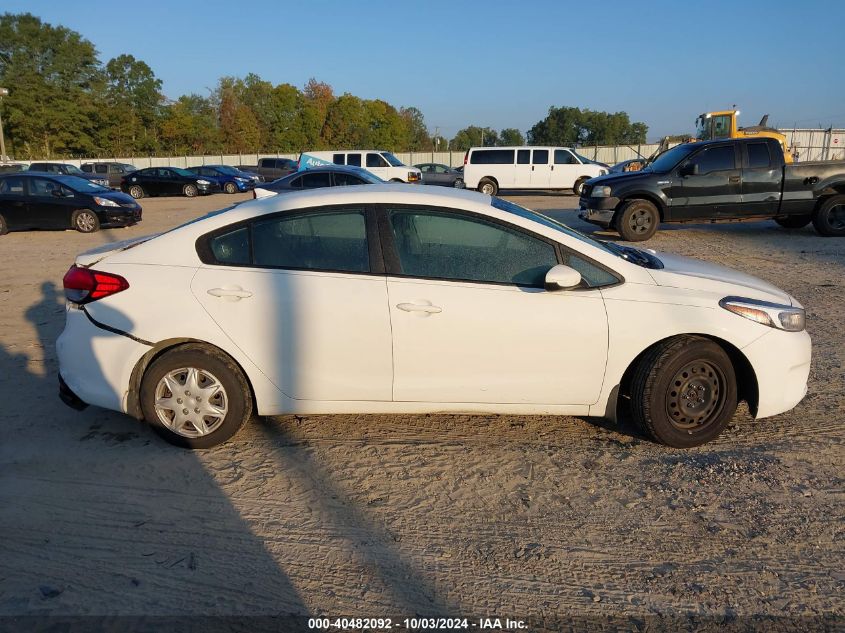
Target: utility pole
4,92
436,141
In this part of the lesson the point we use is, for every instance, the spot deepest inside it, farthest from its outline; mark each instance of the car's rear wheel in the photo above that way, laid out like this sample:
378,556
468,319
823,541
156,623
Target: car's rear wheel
488,186
85,221
136,191
829,218
190,190
794,221
578,189
683,391
4,228
637,220
230,187
195,397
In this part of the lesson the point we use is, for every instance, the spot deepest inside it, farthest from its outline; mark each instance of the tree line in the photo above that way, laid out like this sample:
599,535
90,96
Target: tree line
64,101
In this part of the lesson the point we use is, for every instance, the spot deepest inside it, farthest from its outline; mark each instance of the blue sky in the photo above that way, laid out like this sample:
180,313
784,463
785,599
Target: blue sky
497,63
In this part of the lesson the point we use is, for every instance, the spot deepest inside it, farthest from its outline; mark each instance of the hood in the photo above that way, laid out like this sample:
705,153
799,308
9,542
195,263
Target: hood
693,274
615,177
89,258
118,196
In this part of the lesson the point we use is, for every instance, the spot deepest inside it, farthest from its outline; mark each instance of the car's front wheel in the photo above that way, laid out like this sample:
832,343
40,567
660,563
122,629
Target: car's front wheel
190,190
195,396
578,189
4,228
230,187
85,221
683,391
637,220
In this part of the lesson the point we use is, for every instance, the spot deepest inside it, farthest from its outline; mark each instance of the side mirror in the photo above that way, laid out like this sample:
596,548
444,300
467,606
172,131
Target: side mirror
562,277
690,169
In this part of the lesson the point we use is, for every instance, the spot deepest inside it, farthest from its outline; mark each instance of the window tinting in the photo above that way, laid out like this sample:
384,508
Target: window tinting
339,159
316,180
541,157
591,275
492,157
353,159
758,155
43,187
86,169
562,157
314,241
342,180
715,159
11,186
232,247
296,183
453,246
101,169
376,160
523,156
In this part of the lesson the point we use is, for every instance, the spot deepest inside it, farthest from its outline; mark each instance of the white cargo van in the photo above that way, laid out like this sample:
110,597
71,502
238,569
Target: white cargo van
489,169
376,161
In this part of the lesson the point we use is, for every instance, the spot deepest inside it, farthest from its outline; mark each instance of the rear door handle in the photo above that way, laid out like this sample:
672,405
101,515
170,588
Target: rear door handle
425,308
230,293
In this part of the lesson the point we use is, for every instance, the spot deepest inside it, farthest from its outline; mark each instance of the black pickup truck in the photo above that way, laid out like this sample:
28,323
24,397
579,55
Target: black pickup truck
271,168
711,181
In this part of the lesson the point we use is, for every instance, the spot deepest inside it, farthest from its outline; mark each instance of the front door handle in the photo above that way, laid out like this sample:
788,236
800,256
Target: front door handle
230,293
425,308
733,179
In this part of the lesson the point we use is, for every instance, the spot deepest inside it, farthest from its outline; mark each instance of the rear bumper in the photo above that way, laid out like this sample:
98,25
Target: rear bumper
68,397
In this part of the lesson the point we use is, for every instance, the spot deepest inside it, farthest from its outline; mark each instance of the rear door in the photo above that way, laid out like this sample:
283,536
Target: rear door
762,173
715,191
14,202
540,169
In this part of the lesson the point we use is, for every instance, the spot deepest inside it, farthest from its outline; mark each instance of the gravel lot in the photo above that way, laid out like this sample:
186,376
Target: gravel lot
376,516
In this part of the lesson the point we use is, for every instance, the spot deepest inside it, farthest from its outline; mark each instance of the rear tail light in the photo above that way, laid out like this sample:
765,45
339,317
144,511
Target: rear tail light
83,285
466,157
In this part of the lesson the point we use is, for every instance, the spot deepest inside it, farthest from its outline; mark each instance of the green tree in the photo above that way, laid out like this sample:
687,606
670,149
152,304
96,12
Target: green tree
189,126
573,126
52,73
347,123
511,136
472,137
417,132
133,107
387,129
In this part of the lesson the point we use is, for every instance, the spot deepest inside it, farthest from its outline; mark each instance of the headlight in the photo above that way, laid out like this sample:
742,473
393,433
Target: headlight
203,182
105,202
239,179
602,191
774,315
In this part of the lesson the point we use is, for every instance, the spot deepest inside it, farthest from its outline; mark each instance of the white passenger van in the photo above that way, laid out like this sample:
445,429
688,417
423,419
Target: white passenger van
376,161
489,169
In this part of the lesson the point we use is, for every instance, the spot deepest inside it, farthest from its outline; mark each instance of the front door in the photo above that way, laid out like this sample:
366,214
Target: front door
295,293
472,322
50,204
715,191
376,164
564,170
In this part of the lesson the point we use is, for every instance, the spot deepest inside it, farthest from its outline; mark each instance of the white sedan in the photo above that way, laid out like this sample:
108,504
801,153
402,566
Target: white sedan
393,299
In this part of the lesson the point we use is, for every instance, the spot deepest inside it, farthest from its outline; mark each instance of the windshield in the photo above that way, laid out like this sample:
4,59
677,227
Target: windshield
702,128
390,158
229,171
80,185
583,159
73,169
668,159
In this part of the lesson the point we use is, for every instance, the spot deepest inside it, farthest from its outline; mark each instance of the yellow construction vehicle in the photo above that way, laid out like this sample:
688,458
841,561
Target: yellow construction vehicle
723,124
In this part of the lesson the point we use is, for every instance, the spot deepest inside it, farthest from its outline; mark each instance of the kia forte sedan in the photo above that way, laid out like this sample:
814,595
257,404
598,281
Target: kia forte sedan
395,299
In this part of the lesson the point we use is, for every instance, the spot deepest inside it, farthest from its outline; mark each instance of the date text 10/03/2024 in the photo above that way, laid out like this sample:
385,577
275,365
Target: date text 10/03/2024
500,624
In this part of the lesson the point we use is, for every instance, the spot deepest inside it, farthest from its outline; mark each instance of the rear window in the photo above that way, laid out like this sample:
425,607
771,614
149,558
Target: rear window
758,155
353,159
492,157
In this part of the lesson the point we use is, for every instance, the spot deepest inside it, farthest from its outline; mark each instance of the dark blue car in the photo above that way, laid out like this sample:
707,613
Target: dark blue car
230,179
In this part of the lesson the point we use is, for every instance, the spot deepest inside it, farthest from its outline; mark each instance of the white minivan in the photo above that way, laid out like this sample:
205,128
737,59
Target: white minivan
376,161
489,169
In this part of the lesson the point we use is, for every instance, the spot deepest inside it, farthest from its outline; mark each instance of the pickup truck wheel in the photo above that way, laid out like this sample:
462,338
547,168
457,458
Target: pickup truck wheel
683,391
579,186
488,186
829,218
795,221
637,220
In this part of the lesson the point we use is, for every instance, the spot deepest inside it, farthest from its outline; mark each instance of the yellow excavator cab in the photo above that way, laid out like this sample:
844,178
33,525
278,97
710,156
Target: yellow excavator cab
723,124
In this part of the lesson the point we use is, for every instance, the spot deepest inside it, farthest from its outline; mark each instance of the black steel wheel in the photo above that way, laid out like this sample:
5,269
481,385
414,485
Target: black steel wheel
829,218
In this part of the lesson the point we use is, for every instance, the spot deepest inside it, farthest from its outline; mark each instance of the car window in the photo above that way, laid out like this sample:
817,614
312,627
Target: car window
492,157
339,159
455,246
335,240
376,160
758,155
296,183
316,180
591,275
86,169
11,186
101,169
541,157
353,159
716,158
440,169
43,187
523,156
563,157
342,180
115,169
232,247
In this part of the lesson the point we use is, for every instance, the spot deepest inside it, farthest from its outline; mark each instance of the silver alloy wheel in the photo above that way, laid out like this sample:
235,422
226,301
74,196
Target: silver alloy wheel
191,402
231,187
85,221
487,188
136,191
191,190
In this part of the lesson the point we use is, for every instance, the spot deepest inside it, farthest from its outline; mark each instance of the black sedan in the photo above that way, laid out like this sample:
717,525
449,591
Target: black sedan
163,181
316,177
33,200
442,175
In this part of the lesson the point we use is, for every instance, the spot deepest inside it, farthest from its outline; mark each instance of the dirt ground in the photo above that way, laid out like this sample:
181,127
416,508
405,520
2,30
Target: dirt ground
394,516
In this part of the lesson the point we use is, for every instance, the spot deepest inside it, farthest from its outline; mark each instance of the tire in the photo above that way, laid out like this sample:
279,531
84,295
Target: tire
169,374
488,186
579,186
829,218
85,221
136,191
190,191
459,183
637,220
4,228
794,221
230,187
683,391
396,180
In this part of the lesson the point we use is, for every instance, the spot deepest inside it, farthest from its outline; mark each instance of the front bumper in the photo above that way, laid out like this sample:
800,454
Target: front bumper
121,218
208,189
68,397
245,186
781,363
598,210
